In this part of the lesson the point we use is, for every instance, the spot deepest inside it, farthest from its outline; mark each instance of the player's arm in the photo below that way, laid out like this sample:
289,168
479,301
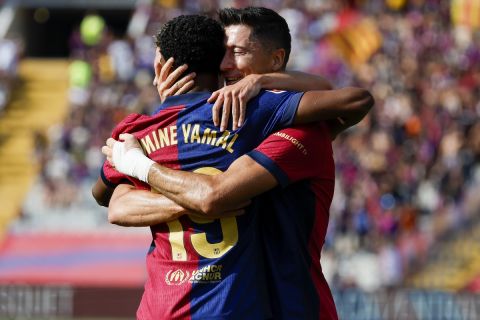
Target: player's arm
233,98
342,107
212,195
132,207
293,81
350,104
102,193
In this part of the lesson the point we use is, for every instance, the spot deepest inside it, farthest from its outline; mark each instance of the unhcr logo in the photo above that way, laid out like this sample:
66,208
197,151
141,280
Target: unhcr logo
177,277
208,274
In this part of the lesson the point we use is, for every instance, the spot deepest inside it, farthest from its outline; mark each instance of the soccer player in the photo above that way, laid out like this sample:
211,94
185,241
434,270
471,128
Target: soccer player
205,245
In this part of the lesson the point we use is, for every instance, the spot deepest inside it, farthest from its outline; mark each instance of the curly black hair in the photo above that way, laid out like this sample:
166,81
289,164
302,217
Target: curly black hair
195,40
267,26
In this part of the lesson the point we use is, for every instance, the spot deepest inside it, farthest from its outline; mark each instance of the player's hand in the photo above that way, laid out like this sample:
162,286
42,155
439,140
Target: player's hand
130,142
107,150
127,156
169,82
233,99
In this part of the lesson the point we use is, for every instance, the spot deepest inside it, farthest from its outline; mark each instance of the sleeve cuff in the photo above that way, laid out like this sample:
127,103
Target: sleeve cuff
107,182
271,166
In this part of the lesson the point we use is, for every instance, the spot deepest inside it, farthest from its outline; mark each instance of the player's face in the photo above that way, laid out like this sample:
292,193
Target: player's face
244,55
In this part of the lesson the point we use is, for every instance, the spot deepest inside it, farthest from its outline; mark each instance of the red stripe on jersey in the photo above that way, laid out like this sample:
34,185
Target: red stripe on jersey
309,146
140,126
168,287
167,290
323,196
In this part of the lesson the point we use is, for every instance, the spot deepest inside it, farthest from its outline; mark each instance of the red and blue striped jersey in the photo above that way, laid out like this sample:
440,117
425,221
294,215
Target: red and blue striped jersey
294,218
201,268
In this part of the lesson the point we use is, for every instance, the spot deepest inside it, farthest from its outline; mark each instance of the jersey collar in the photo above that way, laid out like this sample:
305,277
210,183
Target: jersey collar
183,99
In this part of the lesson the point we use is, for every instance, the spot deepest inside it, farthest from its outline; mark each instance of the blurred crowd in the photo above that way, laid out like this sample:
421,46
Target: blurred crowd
406,175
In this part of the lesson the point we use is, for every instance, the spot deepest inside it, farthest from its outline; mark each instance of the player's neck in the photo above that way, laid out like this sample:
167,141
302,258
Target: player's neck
205,82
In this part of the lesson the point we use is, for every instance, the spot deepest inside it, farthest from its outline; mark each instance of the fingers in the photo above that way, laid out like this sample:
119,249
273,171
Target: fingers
165,71
213,97
130,141
185,88
107,151
227,106
242,110
235,112
173,77
111,142
216,109
184,84
232,99
126,136
171,85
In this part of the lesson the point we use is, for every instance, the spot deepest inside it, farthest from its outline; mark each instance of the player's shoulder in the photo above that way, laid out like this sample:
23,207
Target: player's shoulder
132,118
128,123
318,131
273,96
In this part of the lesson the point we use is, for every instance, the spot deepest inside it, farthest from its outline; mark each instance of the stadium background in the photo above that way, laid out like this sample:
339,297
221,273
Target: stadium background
404,234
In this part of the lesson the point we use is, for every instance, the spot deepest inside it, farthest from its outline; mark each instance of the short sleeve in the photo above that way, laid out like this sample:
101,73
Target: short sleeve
109,175
289,109
112,177
272,110
297,153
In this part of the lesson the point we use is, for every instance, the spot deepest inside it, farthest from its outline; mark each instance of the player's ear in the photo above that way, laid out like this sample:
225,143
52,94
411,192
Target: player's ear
157,65
278,57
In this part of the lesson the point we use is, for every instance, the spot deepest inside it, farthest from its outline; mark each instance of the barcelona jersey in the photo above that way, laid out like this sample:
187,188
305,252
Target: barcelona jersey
203,268
294,219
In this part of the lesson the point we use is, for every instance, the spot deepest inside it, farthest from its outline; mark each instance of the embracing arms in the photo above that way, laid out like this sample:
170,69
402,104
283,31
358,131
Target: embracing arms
350,105
212,195
129,206
138,208
132,207
347,106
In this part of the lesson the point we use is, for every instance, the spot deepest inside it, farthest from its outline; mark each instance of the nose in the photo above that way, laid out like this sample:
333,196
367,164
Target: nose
227,62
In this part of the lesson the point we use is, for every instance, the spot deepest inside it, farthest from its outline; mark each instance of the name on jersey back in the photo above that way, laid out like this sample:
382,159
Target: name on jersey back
192,133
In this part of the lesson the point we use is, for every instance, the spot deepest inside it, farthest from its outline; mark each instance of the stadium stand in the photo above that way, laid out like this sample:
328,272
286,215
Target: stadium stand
37,104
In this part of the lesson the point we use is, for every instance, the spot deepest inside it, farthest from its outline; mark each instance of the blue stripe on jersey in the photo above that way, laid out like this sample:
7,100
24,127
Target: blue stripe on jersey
243,289
286,223
271,166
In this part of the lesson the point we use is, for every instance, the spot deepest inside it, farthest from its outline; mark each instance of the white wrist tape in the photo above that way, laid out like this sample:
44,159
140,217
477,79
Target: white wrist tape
133,162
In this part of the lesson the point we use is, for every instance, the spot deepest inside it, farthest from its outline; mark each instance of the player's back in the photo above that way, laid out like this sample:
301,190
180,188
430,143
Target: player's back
202,268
